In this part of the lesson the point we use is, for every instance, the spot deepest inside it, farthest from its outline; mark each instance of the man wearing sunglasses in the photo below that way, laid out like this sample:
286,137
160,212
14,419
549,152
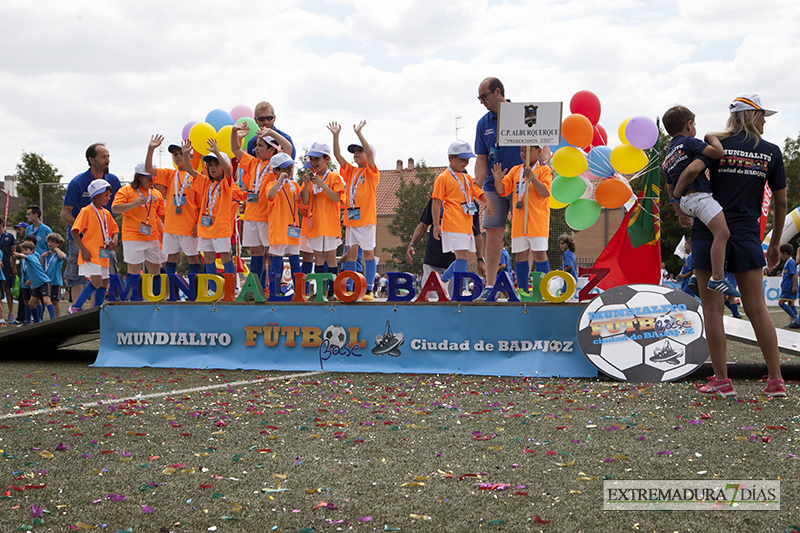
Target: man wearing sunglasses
265,118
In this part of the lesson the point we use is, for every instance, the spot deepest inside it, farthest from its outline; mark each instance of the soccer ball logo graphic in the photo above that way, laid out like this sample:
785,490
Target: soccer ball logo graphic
643,333
335,335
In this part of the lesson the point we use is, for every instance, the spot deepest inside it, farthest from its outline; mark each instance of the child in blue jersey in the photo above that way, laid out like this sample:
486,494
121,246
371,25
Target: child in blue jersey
52,260
36,280
788,285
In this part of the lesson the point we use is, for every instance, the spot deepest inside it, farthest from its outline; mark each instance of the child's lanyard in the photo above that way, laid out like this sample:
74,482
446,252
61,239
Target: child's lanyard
292,207
260,176
179,189
211,197
149,203
465,189
49,260
315,191
522,181
354,188
103,225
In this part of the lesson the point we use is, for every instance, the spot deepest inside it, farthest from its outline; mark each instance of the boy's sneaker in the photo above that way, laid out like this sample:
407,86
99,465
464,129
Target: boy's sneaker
486,291
72,310
776,388
722,286
693,286
723,387
10,318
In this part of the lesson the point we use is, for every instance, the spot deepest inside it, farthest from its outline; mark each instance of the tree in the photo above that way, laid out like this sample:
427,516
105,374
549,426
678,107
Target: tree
791,163
412,196
671,230
33,170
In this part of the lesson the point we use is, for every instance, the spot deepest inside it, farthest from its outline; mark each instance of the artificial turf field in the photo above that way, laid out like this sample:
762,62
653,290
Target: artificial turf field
252,451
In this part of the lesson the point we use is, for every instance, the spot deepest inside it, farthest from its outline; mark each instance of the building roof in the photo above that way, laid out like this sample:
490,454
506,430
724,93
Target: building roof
15,204
385,199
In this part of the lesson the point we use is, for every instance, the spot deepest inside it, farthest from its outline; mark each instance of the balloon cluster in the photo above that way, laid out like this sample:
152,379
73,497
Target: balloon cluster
217,125
589,174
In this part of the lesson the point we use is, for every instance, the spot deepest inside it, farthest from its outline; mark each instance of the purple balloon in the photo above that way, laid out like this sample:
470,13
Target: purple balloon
641,132
186,128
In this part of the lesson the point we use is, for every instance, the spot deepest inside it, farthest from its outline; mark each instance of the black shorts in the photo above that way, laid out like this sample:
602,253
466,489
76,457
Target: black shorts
55,291
40,292
24,294
741,256
8,274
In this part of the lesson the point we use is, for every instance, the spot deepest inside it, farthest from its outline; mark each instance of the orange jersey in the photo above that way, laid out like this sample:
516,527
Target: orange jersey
90,223
283,213
134,220
448,188
257,177
177,193
323,213
359,186
215,199
538,207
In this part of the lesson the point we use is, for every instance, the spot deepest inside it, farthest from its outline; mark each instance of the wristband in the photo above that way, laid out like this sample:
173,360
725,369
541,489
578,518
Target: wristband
673,200
481,259
414,246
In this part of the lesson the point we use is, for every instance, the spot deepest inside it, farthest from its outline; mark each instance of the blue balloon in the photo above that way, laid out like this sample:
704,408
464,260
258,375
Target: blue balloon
600,161
554,147
219,118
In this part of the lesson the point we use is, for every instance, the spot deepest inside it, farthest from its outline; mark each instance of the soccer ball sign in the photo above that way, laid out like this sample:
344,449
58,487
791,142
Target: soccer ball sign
335,335
643,333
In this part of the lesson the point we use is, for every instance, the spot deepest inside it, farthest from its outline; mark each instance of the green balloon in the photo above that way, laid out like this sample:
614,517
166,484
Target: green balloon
582,213
253,129
567,190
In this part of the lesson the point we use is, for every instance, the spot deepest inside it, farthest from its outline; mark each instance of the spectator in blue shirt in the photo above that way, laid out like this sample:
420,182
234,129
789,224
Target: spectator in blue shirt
36,228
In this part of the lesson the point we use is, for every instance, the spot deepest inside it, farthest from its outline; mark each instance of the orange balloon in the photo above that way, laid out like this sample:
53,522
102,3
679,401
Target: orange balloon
612,192
577,130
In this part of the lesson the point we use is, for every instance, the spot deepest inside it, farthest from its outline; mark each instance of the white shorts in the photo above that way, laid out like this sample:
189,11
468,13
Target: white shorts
219,246
452,241
304,246
364,236
324,244
90,269
521,244
700,205
255,233
174,244
136,252
284,249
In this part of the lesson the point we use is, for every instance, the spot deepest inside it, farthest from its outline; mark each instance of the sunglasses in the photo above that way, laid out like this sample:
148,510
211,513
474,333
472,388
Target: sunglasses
484,96
268,117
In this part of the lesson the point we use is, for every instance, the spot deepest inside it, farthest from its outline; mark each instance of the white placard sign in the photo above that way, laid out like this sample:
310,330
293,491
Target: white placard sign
525,124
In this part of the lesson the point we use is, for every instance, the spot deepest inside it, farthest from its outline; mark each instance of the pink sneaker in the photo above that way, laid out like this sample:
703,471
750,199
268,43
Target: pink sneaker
723,387
776,388
72,310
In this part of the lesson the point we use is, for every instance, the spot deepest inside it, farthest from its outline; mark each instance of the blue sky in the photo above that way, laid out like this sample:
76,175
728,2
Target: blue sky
83,72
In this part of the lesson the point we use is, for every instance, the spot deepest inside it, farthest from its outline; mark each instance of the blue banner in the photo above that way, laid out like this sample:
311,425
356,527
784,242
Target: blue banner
530,340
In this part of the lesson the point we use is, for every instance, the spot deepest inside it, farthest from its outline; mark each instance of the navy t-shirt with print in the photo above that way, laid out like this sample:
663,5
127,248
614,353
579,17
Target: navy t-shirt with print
682,151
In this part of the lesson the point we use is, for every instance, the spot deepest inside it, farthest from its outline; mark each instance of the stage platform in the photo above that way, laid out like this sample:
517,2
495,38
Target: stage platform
66,330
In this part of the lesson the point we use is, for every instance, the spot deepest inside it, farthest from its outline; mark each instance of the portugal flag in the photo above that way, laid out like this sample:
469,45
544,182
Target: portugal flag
634,252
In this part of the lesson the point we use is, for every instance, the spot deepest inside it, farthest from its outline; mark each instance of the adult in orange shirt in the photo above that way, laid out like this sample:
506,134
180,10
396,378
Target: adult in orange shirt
142,207
360,183
455,191
536,179
213,191
284,218
322,192
257,175
180,219
97,235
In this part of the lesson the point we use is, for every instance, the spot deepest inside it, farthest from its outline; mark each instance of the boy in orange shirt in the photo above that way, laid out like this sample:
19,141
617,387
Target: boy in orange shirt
180,219
536,179
258,176
322,192
284,220
455,191
142,208
360,219
97,235
213,192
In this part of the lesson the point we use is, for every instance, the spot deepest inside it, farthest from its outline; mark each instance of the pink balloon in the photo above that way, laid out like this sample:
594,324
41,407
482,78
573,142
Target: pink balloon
186,128
240,111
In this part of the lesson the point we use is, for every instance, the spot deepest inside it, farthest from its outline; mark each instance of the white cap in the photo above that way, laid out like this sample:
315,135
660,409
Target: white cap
212,155
352,149
174,148
747,102
462,149
141,170
271,141
281,160
98,186
318,150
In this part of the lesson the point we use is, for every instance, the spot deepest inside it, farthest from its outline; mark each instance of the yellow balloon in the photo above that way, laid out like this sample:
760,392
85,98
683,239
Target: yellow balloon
555,204
627,159
621,131
570,161
200,135
224,140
